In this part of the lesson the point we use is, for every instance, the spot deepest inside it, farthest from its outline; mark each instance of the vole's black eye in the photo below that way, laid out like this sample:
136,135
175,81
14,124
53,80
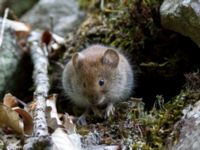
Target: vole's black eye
101,82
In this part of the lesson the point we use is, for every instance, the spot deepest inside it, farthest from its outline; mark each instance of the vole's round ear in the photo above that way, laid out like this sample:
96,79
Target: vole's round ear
77,60
111,58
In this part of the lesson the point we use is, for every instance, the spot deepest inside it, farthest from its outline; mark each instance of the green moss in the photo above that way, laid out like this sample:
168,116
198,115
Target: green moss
87,4
160,122
120,24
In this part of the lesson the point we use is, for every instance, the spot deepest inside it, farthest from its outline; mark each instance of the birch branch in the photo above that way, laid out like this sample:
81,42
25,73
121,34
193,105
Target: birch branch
3,25
40,138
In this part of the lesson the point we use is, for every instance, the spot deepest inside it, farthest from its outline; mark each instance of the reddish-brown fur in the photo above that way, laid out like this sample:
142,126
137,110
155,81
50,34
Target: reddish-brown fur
83,74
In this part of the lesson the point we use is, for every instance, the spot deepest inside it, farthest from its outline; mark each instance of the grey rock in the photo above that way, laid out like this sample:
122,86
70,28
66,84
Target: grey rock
15,63
9,59
182,16
60,16
187,129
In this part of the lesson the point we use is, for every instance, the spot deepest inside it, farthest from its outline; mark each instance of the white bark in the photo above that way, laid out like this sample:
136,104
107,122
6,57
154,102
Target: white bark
40,137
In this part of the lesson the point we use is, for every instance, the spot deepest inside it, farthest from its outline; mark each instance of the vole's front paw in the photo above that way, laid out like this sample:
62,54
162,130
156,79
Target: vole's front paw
81,120
110,109
97,112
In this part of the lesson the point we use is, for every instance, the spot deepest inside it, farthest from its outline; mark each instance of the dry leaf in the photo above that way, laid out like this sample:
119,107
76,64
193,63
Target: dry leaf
46,37
1,144
21,37
60,40
10,100
51,102
18,26
33,106
62,141
51,122
27,120
68,124
10,118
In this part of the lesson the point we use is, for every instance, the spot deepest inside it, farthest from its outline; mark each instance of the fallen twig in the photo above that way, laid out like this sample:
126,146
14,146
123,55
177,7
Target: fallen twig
40,138
3,25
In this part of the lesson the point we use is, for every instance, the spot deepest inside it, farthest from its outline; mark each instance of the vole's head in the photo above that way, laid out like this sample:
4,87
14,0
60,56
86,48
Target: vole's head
95,73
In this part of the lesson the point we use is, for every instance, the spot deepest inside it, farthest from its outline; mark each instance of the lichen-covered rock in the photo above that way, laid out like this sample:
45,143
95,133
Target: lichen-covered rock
182,16
60,16
15,62
9,60
187,129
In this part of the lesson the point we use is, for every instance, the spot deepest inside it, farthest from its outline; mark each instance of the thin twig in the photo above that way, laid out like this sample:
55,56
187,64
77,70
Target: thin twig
40,138
3,25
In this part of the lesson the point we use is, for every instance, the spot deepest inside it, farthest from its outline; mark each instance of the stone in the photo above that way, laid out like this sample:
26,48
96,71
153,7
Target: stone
187,129
58,16
182,16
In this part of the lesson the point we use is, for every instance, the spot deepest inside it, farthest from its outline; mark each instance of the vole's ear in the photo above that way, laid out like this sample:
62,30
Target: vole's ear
111,58
77,60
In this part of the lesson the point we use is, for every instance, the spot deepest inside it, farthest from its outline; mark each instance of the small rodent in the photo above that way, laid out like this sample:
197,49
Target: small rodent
96,76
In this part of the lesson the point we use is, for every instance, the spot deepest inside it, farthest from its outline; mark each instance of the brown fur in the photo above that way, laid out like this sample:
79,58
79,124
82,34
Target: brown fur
83,74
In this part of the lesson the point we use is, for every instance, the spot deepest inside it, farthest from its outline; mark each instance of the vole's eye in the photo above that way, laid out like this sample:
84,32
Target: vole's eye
101,82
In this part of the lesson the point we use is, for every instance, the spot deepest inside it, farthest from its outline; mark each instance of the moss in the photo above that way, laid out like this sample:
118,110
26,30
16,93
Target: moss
133,126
